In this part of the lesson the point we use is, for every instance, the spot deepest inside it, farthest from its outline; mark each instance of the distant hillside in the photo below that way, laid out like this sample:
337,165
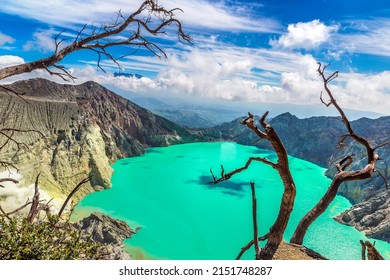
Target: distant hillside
314,139
186,114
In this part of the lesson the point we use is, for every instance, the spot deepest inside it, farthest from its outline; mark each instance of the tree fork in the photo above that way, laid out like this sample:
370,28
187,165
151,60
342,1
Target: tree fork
275,235
342,175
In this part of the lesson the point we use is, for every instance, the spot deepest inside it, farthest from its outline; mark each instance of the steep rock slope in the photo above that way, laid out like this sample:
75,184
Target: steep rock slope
86,128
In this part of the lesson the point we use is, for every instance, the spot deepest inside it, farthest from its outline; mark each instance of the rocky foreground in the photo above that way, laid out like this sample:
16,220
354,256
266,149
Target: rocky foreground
371,216
108,231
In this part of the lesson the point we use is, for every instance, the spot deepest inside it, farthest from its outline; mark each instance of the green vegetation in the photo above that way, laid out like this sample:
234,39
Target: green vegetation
44,240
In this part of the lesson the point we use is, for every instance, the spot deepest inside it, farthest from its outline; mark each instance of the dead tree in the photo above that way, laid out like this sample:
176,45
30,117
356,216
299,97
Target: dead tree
275,235
37,204
342,174
369,249
150,19
276,232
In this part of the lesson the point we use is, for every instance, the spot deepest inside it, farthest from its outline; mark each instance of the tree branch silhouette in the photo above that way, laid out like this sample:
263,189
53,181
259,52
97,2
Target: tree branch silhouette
150,19
342,175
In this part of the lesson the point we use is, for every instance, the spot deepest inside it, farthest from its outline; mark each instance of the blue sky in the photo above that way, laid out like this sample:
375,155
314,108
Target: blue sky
244,51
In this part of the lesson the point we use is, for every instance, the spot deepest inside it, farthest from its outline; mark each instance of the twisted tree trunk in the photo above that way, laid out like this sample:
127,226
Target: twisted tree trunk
275,235
328,197
342,175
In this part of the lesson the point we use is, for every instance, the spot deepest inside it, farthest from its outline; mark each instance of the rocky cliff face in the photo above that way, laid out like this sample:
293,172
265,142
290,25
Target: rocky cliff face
371,216
315,139
86,128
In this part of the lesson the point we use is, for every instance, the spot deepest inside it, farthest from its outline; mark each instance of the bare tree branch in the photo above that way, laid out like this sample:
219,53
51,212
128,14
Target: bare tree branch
275,235
10,136
254,218
79,185
351,132
342,175
372,252
35,202
7,165
227,176
18,94
363,249
383,177
7,214
344,163
382,145
249,245
250,122
8,180
156,22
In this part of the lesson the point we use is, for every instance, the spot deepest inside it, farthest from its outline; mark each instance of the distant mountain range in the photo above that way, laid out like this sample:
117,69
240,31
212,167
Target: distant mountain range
192,113
187,114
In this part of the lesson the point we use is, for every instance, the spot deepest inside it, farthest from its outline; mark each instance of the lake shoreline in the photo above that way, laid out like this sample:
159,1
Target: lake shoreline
228,151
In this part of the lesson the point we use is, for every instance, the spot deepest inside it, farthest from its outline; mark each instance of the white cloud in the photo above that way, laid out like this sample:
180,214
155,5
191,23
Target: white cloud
305,35
43,40
365,37
220,16
9,60
5,39
366,91
90,73
197,14
229,75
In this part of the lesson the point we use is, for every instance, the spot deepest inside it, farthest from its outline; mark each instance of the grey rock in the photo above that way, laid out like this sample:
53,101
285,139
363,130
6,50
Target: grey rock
111,232
371,216
105,229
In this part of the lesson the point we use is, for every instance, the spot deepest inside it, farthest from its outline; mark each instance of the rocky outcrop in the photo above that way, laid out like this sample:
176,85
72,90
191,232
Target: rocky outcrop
371,216
86,128
108,231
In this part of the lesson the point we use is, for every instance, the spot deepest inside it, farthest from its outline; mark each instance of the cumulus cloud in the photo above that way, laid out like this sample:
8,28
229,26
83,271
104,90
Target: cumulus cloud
9,60
304,35
369,92
5,39
90,73
243,74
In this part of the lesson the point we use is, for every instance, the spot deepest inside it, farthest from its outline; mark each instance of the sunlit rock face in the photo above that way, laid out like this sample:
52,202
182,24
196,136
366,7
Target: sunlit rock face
82,129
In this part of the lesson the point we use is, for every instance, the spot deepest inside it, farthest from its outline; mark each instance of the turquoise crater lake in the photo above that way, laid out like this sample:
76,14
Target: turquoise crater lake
165,192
